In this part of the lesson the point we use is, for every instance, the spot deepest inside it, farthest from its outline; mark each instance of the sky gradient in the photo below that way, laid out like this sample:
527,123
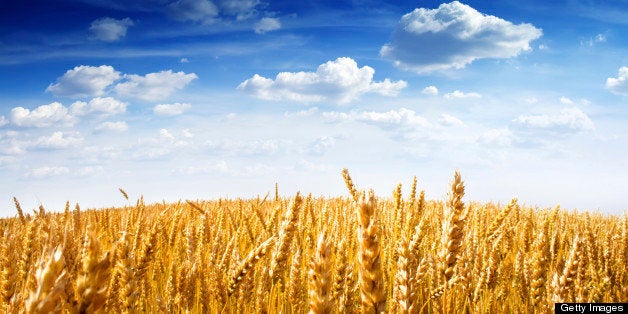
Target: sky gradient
196,99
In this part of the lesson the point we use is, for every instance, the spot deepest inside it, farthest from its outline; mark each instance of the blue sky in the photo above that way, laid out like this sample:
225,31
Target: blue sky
202,99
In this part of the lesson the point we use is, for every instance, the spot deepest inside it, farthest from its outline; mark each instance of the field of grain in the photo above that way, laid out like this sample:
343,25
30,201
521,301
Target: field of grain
271,254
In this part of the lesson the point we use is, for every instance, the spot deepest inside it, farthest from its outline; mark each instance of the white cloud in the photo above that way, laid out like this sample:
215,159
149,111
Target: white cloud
42,116
109,29
267,24
321,145
203,11
449,120
118,126
496,137
566,101
430,90
3,121
106,106
531,100
184,60
302,113
90,171
242,9
187,134
171,109
246,148
215,167
460,95
221,167
389,119
7,160
599,38
44,172
340,81
618,85
58,140
165,134
568,119
84,81
13,147
452,36
10,144
153,86
314,167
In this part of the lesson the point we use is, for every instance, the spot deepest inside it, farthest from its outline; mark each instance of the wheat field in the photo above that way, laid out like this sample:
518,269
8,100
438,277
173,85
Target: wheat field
358,253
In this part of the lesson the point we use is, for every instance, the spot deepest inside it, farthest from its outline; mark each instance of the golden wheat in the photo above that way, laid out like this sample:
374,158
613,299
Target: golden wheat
379,254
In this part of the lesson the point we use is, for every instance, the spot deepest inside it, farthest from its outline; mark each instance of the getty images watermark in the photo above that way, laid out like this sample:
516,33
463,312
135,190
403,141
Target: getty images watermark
590,308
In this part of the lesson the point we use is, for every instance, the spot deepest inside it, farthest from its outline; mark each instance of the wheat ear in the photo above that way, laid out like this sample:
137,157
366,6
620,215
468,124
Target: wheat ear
51,279
352,190
320,278
20,213
288,227
453,230
91,286
402,290
499,220
244,267
369,258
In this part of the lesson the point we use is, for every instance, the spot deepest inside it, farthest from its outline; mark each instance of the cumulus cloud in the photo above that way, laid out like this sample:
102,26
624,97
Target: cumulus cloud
58,140
171,109
430,90
90,171
203,11
496,137
10,144
618,85
42,116
340,81
267,24
109,29
567,120
452,36
245,148
221,167
187,134
449,120
44,172
461,95
165,134
321,145
566,101
106,106
109,126
389,119
215,167
84,81
153,86
302,113
242,9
